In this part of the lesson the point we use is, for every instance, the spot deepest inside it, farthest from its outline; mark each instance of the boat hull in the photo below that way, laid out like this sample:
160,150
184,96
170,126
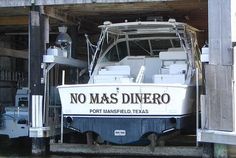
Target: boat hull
113,111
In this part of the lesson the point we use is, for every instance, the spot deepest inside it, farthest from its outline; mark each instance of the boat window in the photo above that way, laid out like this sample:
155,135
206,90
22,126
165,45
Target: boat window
116,53
159,45
139,47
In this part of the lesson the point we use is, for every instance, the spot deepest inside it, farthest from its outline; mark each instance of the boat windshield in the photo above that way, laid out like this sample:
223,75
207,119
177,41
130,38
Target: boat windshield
142,47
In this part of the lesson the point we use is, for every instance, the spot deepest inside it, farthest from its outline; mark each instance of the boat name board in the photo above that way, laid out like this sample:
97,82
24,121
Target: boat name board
123,98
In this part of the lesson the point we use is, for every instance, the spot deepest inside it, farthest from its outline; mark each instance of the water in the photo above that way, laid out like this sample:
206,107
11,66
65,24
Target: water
21,148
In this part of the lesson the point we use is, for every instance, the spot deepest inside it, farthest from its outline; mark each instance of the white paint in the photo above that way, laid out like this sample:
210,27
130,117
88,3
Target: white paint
37,111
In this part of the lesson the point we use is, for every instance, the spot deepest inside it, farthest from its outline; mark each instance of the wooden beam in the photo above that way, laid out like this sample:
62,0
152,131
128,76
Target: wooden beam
69,2
23,3
15,20
220,42
14,53
49,11
219,137
60,15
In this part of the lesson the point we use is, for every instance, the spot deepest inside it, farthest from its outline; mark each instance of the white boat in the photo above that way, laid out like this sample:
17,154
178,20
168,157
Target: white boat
142,81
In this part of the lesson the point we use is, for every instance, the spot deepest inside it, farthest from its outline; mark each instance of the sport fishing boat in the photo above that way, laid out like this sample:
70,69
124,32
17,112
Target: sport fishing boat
141,80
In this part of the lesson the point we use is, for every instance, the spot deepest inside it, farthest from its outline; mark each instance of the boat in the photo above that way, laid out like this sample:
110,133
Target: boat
142,80
14,119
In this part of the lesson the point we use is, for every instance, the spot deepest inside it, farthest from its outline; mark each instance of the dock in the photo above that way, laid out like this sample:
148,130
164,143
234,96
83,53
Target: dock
111,150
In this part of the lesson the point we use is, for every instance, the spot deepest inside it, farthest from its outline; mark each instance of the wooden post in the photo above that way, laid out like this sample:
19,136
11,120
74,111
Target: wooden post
36,50
219,71
219,91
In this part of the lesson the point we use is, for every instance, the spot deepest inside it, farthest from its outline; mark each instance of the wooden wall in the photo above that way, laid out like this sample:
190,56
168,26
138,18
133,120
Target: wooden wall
219,76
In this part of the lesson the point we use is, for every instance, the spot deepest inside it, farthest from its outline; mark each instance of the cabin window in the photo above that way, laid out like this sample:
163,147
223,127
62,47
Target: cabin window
138,47
159,45
117,52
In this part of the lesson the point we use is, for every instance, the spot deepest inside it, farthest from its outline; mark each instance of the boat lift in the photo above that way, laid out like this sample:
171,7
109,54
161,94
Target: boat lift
40,108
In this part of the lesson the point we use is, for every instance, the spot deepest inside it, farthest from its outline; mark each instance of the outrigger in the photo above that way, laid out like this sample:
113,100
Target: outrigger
142,81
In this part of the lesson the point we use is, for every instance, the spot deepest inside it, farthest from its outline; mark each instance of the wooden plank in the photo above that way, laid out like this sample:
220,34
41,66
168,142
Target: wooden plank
219,137
224,92
23,3
219,97
211,96
15,20
14,53
204,113
219,20
126,150
66,2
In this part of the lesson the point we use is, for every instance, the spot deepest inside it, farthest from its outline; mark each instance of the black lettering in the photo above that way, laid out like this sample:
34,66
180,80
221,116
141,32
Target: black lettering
81,98
104,99
95,110
165,98
125,98
94,98
114,99
73,98
147,98
105,111
156,98
138,98
132,98
135,111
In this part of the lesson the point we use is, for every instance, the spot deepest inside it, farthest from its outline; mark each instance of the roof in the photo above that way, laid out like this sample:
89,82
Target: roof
145,27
